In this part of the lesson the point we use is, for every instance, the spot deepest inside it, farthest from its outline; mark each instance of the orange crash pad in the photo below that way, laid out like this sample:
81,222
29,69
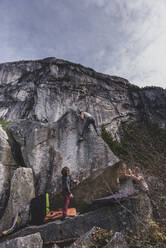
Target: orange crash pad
54,215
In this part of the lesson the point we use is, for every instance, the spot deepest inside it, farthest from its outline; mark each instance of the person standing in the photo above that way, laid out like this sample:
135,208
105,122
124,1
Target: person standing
66,189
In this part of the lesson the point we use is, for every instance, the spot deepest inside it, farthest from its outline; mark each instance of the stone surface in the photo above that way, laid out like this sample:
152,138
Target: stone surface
44,89
101,183
21,192
41,92
30,241
6,157
55,246
7,166
86,240
127,186
117,217
6,173
47,148
117,241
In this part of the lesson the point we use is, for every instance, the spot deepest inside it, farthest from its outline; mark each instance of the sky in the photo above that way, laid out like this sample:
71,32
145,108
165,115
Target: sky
124,38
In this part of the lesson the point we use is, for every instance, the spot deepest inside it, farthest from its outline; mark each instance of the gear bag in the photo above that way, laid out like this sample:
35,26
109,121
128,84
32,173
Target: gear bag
39,207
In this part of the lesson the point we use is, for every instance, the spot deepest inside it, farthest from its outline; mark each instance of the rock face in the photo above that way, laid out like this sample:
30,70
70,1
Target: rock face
6,157
47,148
5,177
118,241
43,90
21,192
7,166
30,241
41,98
100,183
85,240
117,217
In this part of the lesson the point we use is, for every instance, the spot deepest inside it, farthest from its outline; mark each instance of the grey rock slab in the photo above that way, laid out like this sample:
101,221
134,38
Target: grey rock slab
117,241
44,90
21,192
6,173
117,217
6,157
127,186
100,183
47,148
29,241
86,240
7,166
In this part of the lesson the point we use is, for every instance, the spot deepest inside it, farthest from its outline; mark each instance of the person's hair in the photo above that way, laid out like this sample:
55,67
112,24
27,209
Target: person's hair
65,171
137,169
124,166
79,111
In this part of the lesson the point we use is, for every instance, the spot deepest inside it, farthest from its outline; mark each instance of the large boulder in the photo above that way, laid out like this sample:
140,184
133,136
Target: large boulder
86,240
7,166
21,192
89,239
44,89
47,148
30,241
117,241
100,183
6,157
129,214
6,173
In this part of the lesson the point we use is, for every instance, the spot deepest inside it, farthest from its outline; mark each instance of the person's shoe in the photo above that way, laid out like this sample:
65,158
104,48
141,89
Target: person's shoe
63,218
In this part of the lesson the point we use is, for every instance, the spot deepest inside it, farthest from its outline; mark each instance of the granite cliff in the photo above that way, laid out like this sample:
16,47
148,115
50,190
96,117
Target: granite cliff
39,103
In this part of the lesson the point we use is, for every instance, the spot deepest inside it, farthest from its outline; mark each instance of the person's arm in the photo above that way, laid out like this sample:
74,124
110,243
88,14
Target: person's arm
136,178
75,181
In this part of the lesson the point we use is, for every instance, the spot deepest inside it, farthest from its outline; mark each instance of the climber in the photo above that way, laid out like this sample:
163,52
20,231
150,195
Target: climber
89,119
66,189
138,177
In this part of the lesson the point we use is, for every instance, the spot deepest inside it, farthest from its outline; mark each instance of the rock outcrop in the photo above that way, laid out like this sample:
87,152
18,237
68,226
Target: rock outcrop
47,148
41,99
118,241
7,167
5,177
86,240
130,213
43,90
21,192
89,240
30,241
6,157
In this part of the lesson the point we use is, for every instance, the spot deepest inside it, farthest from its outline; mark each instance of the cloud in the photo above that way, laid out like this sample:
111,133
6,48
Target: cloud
123,38
141,57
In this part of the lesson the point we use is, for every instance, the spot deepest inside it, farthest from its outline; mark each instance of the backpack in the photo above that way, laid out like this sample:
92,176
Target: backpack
39,207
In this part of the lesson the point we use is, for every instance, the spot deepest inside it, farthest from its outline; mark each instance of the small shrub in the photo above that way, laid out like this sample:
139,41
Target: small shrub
4,123
153,236
114,145
101,237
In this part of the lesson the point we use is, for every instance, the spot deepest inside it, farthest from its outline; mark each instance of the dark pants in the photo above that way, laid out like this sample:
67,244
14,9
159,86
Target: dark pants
89,121
66,203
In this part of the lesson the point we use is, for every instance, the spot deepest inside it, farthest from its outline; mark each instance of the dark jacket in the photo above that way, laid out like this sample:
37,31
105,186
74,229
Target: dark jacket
66,184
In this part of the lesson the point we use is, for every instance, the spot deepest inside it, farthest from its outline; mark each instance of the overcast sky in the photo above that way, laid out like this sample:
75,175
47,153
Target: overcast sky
125,38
